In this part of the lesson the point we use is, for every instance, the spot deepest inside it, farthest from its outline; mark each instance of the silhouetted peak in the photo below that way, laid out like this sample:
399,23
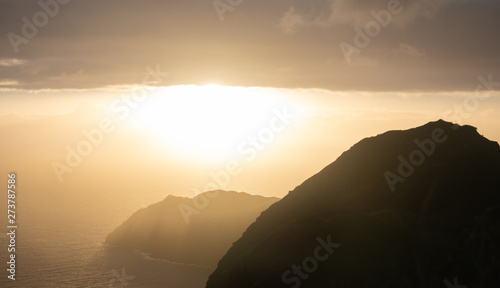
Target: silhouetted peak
210,194
410,208
196,230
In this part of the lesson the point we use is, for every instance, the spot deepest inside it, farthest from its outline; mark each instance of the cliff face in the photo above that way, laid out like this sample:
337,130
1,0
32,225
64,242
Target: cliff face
412,208
195,231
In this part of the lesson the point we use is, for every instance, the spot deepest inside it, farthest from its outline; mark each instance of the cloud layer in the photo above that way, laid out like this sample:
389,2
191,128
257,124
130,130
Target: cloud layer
429,45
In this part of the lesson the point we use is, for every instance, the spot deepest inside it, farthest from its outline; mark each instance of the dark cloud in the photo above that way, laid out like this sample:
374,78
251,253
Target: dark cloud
429,45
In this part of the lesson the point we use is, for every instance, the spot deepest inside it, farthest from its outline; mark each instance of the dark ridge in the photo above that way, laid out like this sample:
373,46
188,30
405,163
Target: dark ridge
441,222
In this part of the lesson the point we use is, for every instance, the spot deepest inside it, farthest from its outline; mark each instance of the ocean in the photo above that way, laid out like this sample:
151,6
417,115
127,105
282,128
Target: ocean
60,243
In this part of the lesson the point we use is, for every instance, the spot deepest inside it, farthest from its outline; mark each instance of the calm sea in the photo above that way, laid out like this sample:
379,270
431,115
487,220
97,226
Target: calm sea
60,239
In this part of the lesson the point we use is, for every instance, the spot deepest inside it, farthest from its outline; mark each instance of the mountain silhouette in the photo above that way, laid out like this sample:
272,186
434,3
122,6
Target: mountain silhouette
195,230
414,208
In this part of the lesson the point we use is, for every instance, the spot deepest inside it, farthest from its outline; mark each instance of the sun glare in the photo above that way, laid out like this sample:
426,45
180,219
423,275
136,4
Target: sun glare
206,122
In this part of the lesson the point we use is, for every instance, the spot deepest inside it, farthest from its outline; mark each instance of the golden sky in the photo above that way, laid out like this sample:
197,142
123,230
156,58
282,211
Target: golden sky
183,140
190,90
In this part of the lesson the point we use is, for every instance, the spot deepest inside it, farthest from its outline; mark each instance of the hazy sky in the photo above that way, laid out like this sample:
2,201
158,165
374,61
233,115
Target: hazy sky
427,45
171,142
346,69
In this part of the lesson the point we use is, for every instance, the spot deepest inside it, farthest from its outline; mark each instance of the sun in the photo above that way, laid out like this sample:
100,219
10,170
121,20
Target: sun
205,123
